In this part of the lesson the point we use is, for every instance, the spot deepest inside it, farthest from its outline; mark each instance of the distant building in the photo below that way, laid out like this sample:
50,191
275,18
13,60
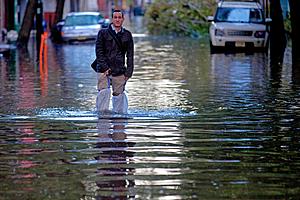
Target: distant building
12,11
49,7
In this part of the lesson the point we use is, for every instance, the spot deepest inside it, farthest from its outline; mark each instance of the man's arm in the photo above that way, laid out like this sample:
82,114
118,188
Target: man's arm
130,54
100,52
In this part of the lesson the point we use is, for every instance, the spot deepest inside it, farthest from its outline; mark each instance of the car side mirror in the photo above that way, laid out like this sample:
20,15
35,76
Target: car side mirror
210,18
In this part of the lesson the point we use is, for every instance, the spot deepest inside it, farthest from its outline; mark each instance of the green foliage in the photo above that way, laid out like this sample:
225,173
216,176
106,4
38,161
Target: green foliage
287,25
186,17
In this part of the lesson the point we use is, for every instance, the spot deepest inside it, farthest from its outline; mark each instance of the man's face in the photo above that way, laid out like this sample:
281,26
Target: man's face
117,19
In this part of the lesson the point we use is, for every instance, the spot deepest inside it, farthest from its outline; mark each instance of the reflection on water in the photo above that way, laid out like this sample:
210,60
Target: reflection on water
112,176
199,126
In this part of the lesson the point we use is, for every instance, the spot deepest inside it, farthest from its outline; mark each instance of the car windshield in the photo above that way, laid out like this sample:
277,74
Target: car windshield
242,15
79,20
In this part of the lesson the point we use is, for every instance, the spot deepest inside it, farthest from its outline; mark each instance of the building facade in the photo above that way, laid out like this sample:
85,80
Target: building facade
12,11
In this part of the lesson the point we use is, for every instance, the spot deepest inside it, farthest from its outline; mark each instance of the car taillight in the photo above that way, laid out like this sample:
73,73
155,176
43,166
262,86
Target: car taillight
259,34
219,32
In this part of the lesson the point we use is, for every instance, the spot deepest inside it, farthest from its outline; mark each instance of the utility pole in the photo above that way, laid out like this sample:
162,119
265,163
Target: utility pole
277,34
39,25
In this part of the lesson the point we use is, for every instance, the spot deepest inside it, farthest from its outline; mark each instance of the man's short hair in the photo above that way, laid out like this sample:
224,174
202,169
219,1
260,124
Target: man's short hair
119,11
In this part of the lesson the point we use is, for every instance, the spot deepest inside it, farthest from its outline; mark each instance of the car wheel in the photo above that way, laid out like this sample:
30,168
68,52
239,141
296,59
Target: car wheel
213,49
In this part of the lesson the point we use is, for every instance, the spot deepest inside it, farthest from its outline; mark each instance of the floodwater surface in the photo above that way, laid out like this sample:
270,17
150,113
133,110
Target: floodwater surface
200,126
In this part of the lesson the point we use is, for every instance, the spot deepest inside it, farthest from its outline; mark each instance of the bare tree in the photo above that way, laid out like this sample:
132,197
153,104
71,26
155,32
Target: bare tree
27,24
59,10
55,32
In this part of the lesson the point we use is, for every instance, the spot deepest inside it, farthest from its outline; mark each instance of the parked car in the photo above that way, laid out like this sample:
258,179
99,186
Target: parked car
139,11
238,24
79,26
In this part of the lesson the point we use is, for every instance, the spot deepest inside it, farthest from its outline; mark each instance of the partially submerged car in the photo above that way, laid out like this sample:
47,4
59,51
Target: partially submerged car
79,26
238,24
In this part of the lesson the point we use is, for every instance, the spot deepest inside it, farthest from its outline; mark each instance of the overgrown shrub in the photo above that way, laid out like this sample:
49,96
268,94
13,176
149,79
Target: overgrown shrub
179,17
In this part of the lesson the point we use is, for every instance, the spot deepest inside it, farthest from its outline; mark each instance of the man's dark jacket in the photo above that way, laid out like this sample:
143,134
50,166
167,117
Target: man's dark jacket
111,56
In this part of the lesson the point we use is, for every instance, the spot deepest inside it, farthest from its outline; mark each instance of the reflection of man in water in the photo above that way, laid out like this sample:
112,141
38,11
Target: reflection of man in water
115,157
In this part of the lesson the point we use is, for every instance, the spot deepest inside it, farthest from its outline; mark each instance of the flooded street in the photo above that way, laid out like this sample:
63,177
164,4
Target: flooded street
200,126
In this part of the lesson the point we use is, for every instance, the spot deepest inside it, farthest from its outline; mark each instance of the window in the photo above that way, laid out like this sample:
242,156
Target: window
240,15
82,20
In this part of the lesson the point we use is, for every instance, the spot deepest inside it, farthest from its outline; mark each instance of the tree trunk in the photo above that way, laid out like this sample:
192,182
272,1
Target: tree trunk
55,30
27,24
59,10
277,34
295,19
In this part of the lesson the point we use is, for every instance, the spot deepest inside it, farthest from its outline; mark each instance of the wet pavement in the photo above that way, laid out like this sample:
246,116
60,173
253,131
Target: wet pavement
200,125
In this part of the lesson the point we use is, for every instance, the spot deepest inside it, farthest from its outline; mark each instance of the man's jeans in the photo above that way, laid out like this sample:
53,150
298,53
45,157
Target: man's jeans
117,82
119,99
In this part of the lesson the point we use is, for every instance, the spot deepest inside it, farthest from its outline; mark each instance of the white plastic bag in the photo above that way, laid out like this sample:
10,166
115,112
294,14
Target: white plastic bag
103,99
120,103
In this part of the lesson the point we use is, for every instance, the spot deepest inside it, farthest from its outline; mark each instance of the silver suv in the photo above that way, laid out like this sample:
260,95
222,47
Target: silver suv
238,24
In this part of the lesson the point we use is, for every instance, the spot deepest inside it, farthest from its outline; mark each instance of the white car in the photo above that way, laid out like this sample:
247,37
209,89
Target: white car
238,24
82,26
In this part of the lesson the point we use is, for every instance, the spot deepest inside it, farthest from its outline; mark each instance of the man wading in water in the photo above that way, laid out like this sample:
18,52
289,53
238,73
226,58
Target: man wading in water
112,45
